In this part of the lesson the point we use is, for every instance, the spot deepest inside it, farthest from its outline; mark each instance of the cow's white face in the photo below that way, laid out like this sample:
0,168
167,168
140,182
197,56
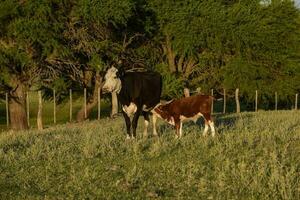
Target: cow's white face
112,82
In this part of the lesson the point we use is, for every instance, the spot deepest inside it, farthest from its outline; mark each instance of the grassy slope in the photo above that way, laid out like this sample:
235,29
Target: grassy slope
256,156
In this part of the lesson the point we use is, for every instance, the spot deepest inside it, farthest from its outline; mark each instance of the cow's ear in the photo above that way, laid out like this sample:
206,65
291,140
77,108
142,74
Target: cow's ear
120,72
106,68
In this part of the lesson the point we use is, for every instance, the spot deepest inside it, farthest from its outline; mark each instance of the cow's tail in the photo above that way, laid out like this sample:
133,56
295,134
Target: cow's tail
215,98
161,85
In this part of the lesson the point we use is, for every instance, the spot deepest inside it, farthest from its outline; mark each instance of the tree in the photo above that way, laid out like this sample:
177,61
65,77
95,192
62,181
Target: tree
229,44
99,34
265,49
190,31
28,34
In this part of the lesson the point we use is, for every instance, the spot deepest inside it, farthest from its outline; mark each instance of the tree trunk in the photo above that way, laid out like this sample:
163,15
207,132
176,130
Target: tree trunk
17,108
188,67
224,101
114,104
170,54
91,102
180,65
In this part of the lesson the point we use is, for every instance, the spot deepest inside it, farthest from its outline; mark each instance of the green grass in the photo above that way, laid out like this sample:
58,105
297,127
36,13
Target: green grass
254,156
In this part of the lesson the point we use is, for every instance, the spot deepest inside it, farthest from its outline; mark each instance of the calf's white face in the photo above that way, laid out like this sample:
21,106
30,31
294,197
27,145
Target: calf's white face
111,81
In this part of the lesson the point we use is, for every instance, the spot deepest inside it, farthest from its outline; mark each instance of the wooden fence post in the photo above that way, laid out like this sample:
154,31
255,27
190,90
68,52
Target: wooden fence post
28,108
85,112
256,99
186,92
99,103
71,105
238,108
7,111
212,103
224,102
296,102
54,107
40,112
276,100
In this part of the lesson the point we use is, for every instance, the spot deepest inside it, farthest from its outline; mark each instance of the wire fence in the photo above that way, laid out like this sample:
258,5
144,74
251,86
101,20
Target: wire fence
222,105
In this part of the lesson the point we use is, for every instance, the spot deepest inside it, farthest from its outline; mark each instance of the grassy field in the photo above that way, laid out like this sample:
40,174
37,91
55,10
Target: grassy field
254,156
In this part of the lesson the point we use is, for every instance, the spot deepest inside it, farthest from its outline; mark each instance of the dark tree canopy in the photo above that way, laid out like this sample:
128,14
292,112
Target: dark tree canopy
52,44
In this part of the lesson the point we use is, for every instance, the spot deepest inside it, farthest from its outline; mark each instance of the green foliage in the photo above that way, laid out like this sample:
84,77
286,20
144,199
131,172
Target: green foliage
30,32
246,44
242,44
255,156
172,84
105,12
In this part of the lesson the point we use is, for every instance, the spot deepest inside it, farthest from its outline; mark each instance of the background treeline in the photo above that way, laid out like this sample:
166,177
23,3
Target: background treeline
67,44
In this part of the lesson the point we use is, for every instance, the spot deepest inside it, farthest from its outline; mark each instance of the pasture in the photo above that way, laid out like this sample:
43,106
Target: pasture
254,156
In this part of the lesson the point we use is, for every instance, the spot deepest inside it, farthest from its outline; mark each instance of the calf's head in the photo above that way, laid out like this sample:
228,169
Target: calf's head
112,82
163,111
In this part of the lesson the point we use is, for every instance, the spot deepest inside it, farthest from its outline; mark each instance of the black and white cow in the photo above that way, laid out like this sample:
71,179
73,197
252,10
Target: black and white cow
138,93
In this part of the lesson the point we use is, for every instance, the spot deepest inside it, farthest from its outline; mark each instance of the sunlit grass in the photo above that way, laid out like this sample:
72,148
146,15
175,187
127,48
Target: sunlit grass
254,156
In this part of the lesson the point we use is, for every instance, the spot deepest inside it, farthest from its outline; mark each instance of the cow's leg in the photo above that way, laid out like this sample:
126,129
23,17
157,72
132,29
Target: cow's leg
147,120
128,124
154,118
134,123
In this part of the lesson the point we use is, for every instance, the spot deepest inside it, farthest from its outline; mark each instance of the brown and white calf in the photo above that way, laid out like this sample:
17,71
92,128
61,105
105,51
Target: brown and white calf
177,111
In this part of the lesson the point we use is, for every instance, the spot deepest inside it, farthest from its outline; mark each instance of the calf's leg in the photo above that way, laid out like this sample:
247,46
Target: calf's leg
205,128
180,130
209,123
178,127
212,127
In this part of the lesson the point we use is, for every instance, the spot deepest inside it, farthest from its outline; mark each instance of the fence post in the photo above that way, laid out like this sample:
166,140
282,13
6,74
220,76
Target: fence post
256,99
39,115
238,108
276,100
224,101
71,105
186,92
54,106
99,103
85,113
212,103
27,108
7,111
296,102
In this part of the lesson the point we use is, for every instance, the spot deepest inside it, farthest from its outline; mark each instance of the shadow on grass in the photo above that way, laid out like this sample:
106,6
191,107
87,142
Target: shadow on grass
222,122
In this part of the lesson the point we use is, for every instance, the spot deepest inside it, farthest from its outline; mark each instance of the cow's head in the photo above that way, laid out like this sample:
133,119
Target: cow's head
112,82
